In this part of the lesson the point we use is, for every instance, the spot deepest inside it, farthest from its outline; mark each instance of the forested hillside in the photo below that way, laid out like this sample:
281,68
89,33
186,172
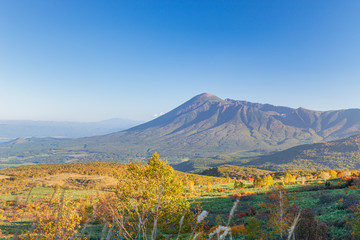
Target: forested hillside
339,154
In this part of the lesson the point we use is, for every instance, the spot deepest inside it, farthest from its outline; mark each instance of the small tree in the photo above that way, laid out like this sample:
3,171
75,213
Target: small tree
58,220
289,179
149,198
333,174
258,182
325,176
268,180
219,221
209,187
309,228
279,206
191,186
238,184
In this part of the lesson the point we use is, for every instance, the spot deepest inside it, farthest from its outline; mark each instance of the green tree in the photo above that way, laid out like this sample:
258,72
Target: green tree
219,221
238,184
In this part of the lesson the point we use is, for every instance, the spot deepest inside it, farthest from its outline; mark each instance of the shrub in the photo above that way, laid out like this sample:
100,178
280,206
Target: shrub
251,211
253,231
238,230
309,228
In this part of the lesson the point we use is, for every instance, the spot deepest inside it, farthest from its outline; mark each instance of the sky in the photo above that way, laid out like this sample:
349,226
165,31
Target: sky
84,60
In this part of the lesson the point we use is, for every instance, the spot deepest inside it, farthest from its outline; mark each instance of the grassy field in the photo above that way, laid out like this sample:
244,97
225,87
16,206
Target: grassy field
331,203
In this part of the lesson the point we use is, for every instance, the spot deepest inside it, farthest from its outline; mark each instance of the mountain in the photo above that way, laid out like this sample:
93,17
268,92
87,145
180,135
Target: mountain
203,127
11,129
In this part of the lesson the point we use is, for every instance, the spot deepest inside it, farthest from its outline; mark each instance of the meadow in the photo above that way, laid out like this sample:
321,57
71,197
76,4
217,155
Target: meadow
330,203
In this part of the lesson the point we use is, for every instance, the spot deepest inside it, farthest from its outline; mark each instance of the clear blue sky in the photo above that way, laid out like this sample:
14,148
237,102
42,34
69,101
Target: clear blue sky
92,60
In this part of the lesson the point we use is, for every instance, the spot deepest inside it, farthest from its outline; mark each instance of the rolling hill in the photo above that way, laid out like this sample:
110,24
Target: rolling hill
203,127
339,154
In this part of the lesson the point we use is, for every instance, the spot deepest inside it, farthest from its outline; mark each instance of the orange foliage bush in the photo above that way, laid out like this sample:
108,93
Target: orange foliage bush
248,193
238,229
345,178
235,195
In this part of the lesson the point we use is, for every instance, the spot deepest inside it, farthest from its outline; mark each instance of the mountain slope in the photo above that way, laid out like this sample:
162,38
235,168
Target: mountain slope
339,154
204,126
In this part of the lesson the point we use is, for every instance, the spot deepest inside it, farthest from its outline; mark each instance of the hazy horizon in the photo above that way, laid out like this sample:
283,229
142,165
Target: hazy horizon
153,117
91,61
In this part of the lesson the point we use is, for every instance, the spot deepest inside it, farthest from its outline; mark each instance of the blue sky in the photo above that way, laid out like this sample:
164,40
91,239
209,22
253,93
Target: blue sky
93,60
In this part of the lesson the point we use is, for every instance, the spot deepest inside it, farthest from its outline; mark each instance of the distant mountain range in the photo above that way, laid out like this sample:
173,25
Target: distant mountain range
203,127
11,129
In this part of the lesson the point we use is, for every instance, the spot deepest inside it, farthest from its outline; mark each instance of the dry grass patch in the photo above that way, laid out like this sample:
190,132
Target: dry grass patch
4,177
73,180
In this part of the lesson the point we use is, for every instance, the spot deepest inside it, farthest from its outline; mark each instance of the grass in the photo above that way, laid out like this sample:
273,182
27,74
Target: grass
40,193
76,180
329,205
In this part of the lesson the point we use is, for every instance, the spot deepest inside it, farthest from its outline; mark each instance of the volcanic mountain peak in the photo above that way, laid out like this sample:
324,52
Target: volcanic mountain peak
207,125
206,97
202,99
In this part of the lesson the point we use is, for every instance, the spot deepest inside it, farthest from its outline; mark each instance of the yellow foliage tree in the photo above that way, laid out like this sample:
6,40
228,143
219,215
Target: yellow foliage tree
268,180
333,174
191,186
289,179
57,220
209,187
149,198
